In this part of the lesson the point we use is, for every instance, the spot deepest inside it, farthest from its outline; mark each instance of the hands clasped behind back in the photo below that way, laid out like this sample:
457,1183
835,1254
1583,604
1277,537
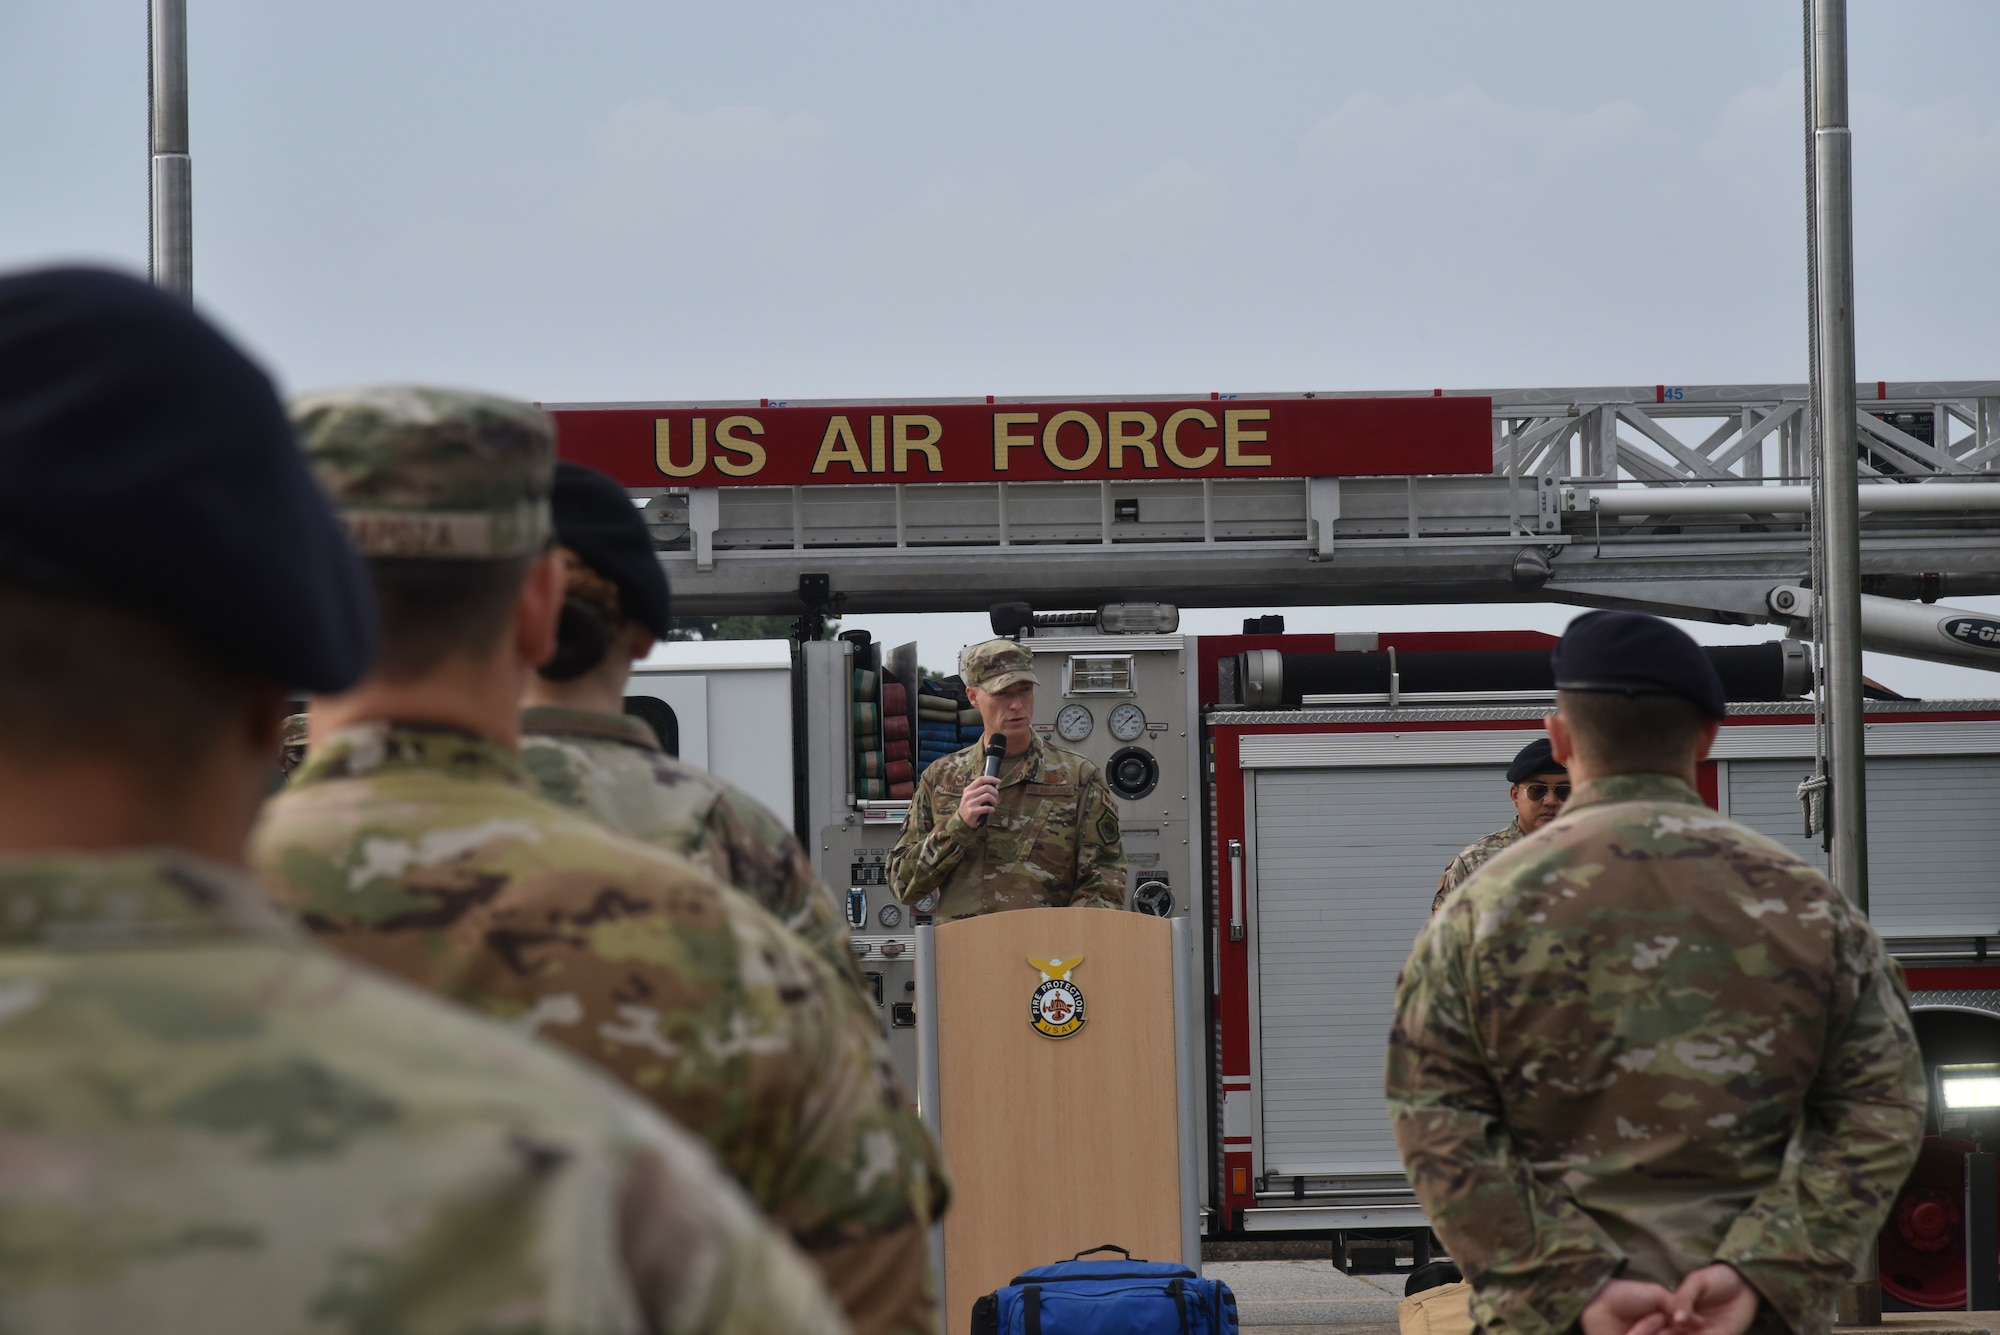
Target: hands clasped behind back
1714,1300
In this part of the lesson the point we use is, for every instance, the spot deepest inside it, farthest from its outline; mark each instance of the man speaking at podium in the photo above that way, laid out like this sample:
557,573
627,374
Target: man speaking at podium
1041,833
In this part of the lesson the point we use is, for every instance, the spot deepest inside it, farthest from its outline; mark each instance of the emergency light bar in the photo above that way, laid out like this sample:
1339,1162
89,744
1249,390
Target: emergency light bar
1969,1087
1138,619
1011,620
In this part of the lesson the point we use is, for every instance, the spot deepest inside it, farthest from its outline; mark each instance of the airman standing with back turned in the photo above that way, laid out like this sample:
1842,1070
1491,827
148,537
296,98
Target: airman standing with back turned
589,755
1646,1065
209,1126
413,839
1043,834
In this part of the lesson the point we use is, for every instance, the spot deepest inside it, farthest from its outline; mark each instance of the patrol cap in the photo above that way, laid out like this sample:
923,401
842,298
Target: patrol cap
421,473
1535,758
596,519
996,664
1631,653
146,462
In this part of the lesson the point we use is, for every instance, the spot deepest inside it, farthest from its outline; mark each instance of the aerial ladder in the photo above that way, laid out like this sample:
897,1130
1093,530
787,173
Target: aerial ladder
1686,500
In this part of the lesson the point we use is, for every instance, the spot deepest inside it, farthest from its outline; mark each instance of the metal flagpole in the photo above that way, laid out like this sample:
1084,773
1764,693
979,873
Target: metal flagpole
1837,514
170,189
1839,517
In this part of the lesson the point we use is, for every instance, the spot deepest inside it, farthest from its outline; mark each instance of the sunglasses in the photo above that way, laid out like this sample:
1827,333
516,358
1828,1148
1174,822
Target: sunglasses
1537,791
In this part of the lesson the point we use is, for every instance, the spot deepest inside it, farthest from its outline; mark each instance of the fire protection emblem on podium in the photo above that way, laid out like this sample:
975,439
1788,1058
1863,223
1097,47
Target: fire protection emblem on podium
1056,1010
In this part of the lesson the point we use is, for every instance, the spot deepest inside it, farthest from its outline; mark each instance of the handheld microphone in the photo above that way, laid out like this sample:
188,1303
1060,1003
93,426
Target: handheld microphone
996,751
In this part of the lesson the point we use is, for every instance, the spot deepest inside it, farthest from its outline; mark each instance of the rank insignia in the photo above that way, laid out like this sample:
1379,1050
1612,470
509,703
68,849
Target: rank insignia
1056,1010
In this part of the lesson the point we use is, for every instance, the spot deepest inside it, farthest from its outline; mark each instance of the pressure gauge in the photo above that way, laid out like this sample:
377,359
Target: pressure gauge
890,915
1127,722
1074,723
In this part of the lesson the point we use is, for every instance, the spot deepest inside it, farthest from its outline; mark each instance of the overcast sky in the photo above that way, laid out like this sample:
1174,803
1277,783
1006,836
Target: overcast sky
615,199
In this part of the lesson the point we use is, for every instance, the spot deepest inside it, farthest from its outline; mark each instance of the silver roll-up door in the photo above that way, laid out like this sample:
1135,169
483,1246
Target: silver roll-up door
1347,861
1933,836
1764,794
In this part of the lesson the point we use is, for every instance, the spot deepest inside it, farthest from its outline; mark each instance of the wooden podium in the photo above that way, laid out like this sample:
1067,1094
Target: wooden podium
1059,1143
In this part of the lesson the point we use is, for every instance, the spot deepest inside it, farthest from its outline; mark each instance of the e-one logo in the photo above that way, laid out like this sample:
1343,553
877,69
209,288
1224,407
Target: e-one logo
1974,630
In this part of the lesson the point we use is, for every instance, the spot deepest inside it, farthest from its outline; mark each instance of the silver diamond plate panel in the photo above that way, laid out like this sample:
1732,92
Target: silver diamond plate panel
1985,999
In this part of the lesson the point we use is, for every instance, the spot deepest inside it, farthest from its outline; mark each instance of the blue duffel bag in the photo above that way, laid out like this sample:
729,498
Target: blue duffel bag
1123,1297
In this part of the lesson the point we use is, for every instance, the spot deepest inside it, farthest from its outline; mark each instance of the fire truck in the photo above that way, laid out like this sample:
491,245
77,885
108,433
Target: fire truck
1296,797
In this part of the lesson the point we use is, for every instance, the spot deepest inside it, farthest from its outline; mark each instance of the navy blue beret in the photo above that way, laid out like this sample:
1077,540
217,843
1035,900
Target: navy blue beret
597,520
1634,654
1535,758
146,462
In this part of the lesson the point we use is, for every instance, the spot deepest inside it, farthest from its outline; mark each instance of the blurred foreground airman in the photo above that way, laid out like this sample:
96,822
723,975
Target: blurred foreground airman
208,1125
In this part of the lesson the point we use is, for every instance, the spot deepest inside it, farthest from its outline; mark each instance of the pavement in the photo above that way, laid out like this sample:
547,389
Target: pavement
1310,1297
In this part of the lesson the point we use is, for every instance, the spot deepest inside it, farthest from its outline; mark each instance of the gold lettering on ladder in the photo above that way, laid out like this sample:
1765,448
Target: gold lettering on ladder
1142,443
903,444
727,439
1004,440
663,448
1170,439
838,446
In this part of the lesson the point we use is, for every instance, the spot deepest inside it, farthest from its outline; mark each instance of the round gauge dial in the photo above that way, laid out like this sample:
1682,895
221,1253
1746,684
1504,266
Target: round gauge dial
1127,722
1074,723
890,915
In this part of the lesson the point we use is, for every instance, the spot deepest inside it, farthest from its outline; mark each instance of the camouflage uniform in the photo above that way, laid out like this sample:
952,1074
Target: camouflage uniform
611,767
207,1124
1051,842
426,852
1474,856
292,742
1646,1039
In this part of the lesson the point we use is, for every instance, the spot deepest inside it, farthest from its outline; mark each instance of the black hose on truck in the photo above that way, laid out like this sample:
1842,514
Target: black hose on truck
1273,679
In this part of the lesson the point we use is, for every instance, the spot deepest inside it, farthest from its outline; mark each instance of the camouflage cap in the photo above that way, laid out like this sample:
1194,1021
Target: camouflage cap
432,474
997,664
